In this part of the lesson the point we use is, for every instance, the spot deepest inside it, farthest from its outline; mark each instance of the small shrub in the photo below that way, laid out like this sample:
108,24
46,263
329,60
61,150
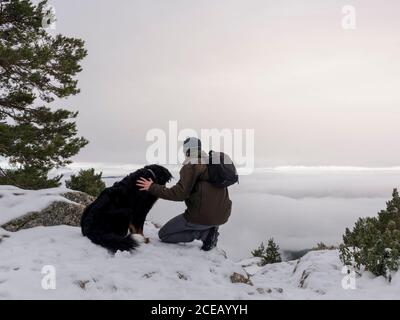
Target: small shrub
86,181
259,251
269,254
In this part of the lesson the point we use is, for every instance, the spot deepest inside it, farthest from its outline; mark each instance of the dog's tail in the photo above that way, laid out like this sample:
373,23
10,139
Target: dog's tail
113,242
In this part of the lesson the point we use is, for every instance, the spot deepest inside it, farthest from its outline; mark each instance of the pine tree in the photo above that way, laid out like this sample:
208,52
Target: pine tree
374,243
269,254
272,254
392,212
35,69
86,181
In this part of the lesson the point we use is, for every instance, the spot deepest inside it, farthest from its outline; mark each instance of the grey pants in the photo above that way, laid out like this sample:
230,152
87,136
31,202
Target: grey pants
178,229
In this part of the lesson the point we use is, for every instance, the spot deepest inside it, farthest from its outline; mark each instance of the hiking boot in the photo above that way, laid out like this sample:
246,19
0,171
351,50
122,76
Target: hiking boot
211,240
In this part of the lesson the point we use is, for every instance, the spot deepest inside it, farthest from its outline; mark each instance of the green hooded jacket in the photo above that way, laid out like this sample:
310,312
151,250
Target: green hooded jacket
206,204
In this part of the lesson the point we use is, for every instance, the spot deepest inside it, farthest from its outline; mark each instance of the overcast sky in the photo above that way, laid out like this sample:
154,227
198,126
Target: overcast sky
314,93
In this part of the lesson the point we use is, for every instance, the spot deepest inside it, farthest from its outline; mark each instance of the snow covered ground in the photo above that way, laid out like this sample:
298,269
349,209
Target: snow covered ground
86,271
319,275
163,271
157,270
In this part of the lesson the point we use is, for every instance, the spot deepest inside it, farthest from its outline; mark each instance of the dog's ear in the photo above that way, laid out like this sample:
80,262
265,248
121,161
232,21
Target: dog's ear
164,173
168,174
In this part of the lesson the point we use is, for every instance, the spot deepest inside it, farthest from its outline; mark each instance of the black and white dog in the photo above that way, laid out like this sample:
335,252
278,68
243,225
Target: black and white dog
121,210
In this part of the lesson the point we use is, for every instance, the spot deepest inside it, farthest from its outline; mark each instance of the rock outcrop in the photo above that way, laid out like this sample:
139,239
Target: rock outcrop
60,212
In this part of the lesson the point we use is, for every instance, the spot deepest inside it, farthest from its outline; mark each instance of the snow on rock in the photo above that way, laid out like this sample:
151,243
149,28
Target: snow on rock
16,202
21,209
251,265
319,275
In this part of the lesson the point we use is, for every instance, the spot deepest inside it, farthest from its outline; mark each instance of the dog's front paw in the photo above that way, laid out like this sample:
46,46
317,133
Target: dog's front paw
138,238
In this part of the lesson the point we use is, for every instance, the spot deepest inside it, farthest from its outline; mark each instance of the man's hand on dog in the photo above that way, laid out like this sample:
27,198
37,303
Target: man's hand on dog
144,184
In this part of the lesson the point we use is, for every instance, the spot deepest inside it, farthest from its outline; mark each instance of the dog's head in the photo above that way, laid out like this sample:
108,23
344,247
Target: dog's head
162,175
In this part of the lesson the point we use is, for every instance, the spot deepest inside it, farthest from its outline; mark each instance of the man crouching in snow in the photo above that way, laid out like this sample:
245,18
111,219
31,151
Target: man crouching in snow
208,206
